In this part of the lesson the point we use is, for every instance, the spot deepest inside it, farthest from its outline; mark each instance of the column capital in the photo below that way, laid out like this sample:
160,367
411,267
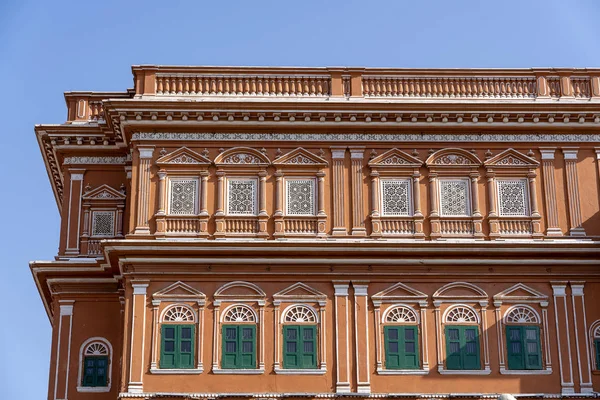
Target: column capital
66,307
162,174
570,153
597,150
360,288
341,288
547,153
338,152
558,288
146,151
357,153
577,288
76,174
139,287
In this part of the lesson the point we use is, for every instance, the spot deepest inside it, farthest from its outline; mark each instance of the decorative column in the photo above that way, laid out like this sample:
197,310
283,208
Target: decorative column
216,333
342,337
361,337
358,213
161,223
263,217
434,216
261,317
63,350
321,215
378,349
486,353
323,338
500,334
439,335
544,305
583,348
203,216
120,212
570,155
142,226
278,216
477,218
154,355
74,211
138,326
339,227
552,227
563,334
276,335
425,357
200,334
375,215
535,213
417,214
220,213
492,202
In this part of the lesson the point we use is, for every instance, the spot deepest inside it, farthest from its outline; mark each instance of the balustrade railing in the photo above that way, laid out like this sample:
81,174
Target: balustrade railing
456,227
241,225
515,227
451,87
243,85
397,226
94,248
581,87
301,226
182,226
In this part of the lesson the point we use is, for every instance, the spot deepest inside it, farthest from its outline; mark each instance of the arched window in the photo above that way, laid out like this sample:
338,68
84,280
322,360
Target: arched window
595,339
177,337
95,365
523,344
462,338
299,337
401,337
239,337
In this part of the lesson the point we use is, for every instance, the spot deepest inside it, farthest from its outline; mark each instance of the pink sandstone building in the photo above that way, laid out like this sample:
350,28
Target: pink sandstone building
314,233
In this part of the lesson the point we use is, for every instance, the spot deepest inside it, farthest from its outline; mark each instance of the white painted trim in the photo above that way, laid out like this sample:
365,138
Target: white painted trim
453,306
164,311
310,308
315,371
400,305
139,288
251,309
219,294
547,153
82,348
480,293
381,371
570,153
443,371
219,371
183,371
146,152
504,371
514,307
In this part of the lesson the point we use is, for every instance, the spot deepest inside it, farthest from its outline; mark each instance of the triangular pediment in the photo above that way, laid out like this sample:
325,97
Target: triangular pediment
301,157
243,156
240,290
460,290
453,157
299,291
520,292
511,158
104,192
179,291
399,291
395,158
183,156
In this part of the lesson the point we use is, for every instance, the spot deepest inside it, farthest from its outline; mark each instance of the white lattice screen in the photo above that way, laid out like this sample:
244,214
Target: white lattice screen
183,194
513,199
300,196
395,197
454,197
103,223
241,196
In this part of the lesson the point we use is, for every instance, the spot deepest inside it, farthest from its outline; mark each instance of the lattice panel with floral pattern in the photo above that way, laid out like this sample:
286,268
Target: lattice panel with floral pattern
454,197
512,197
300,196
395,198
182,200
241,197
103,223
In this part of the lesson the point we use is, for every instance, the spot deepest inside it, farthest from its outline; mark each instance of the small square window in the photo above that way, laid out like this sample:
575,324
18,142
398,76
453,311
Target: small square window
241,196
396,197
300,196
183,196
455,197
103,223
513,198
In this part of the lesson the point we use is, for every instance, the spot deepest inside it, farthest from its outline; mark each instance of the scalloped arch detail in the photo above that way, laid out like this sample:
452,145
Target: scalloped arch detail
453,157
242,156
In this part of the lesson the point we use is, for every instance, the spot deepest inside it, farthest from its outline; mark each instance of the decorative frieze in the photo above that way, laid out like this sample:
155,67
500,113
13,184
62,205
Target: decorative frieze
94,160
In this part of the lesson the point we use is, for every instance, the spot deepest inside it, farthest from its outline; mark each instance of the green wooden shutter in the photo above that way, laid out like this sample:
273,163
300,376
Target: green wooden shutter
409,348
533,351
290,347
392,347
230,344
101,364
470,347
453,347
597,345
308,349
185,346
247,348
95,371
168,348
514,347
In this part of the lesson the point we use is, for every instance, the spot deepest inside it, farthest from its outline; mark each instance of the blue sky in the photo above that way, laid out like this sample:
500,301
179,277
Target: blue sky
48,47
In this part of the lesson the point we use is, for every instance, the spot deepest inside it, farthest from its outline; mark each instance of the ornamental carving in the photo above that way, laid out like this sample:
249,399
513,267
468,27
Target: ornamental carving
510,160
184,159
300,159
242,158
94,160
452,159
394,160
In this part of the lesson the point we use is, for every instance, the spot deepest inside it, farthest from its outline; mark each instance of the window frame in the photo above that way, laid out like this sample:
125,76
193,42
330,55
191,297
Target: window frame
315,195
523,341
462,328
469,207
177,352
409,183
112,212
228,179
527,196
300,341
401,341
81,367
239,346
178,178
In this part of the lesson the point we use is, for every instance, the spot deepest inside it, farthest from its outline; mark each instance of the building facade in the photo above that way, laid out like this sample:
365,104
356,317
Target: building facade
326,232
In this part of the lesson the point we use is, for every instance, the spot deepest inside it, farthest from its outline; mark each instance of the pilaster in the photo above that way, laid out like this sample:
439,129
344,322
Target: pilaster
74,211
570,155
142,226
358,214
563,335
342,337
552,228
361,335
138,326
581,337
339,226
63,350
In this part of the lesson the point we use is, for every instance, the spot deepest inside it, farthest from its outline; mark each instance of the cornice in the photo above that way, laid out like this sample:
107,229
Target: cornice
95,160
